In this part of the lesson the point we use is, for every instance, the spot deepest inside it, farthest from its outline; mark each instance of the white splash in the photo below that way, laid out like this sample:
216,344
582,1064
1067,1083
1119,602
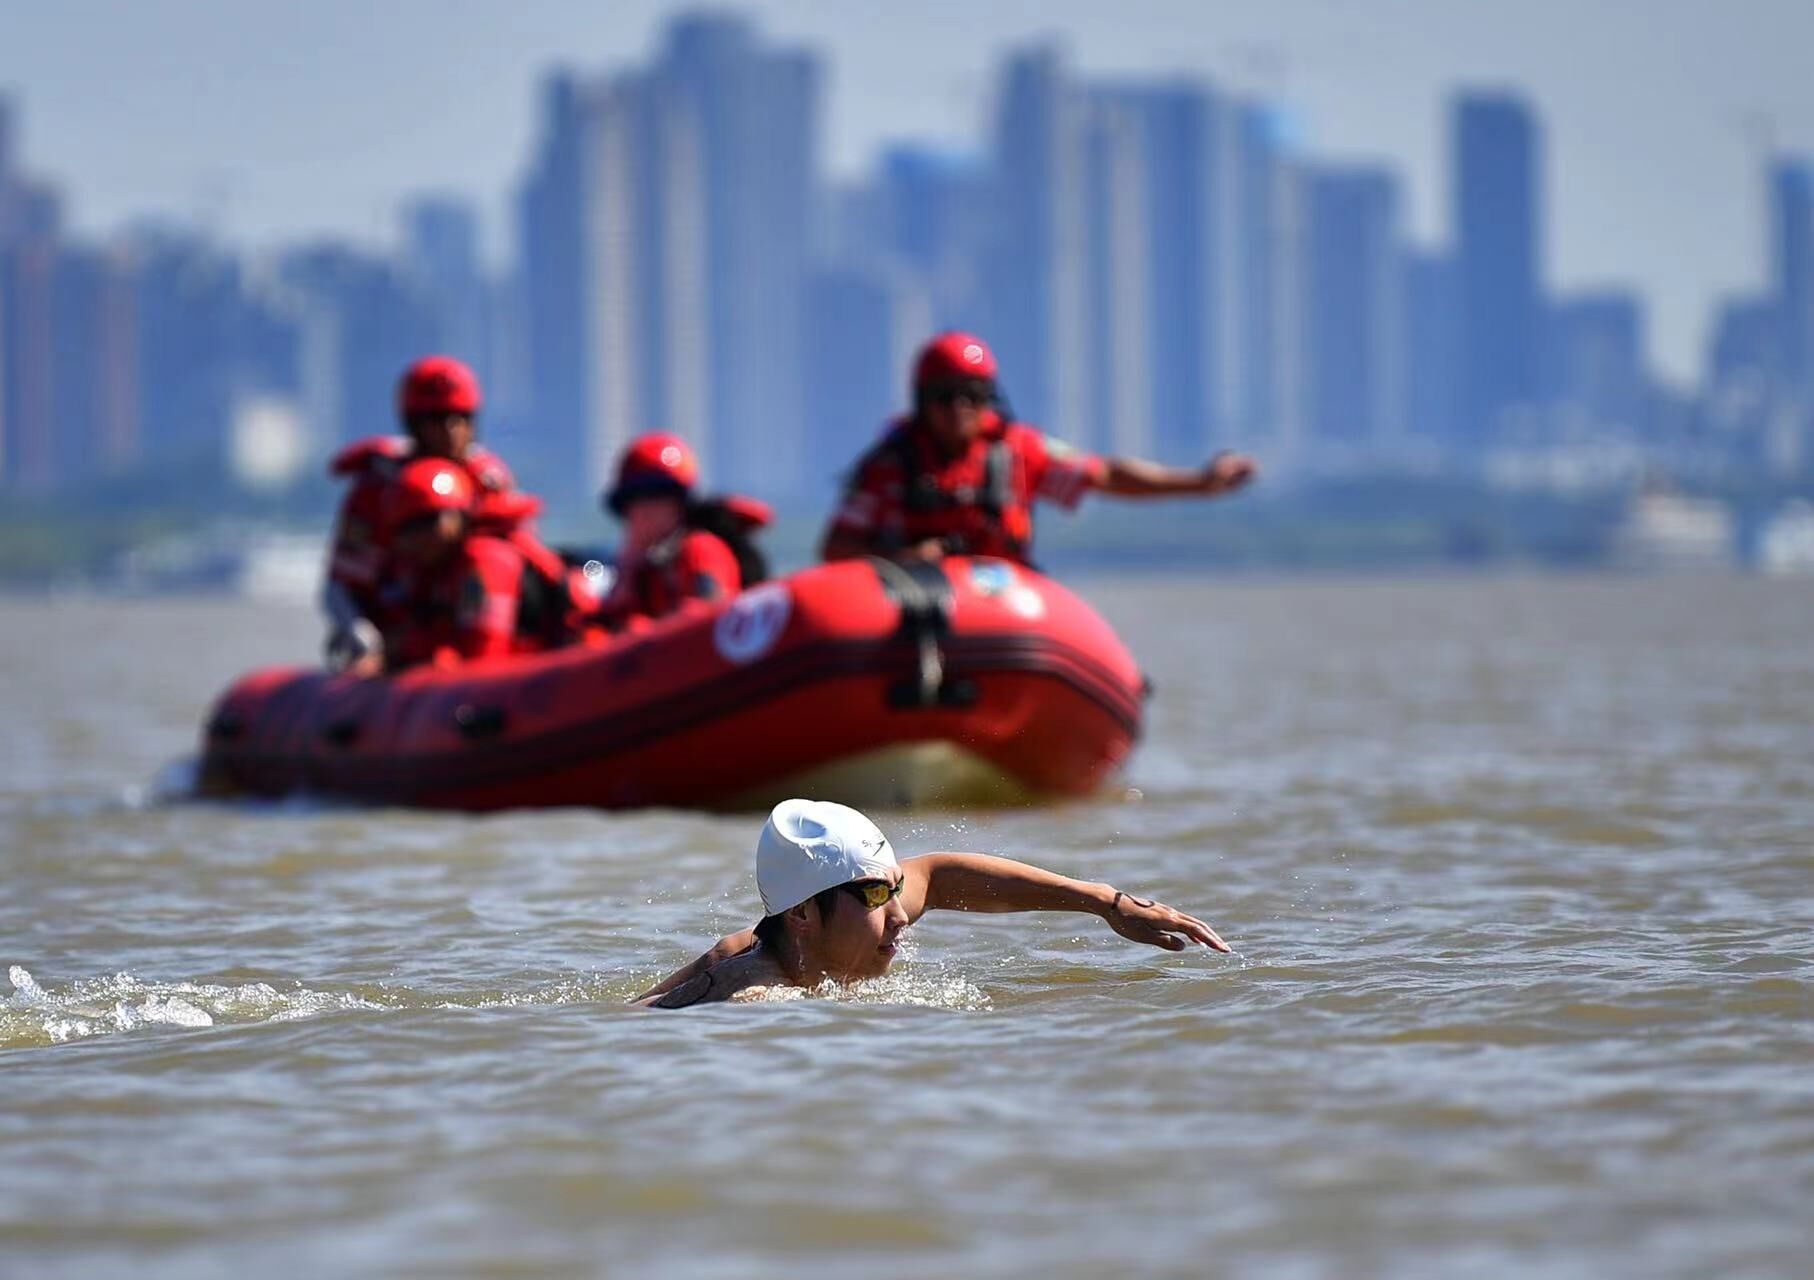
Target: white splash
924,989
579,989
88,1007
177,781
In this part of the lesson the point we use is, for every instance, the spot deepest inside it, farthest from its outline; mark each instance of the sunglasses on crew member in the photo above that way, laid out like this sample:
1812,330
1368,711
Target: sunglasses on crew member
979,394
874,893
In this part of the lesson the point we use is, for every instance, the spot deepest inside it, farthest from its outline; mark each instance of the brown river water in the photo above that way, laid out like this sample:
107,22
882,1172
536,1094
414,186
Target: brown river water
1520,874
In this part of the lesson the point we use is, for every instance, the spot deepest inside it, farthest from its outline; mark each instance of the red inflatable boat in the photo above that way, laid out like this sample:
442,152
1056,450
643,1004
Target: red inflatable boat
866,682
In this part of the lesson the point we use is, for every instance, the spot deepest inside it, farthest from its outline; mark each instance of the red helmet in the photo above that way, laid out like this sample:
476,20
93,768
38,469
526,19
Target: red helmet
654,463
953,357
437,384
424,487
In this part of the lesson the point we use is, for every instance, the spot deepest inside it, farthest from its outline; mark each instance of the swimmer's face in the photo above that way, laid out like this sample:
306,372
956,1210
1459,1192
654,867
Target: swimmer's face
857,941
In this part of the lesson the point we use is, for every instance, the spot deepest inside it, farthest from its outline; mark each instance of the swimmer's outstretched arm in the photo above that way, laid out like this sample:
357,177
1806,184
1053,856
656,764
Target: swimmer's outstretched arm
978,882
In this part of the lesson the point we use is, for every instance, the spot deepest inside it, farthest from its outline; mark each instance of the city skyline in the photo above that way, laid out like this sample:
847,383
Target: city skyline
1664,197
1165,265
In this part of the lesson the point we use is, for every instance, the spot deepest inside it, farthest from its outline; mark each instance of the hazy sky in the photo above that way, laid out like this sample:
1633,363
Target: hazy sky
277,121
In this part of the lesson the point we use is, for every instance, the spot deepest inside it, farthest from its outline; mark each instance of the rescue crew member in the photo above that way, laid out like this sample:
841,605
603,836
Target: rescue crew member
677,547
959,477
836,901
458,592
438,403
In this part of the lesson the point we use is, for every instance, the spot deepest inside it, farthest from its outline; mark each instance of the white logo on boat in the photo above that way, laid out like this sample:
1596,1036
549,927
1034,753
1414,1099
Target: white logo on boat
1027,602
755,620
991,577
996,579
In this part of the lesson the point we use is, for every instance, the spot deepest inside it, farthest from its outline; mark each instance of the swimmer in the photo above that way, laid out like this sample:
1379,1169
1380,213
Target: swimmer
836,901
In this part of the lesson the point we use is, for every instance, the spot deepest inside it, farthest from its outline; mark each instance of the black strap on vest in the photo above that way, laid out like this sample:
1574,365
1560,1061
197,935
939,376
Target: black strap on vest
993,498
542,606
712,516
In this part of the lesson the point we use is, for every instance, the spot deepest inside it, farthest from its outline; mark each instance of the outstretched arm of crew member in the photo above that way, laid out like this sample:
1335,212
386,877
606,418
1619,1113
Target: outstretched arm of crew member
979,882
354,644
1137,478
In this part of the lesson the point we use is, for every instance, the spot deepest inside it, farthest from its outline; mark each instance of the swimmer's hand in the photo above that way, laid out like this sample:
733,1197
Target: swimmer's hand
1157,925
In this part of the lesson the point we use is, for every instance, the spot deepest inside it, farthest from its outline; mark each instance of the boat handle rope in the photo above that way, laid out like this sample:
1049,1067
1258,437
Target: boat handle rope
925,616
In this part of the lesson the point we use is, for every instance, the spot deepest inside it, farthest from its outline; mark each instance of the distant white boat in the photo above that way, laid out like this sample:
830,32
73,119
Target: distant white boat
228,559
1786,545
282,568
1668,531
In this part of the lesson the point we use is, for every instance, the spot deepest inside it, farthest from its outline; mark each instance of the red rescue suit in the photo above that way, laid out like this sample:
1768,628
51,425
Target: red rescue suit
689,564
358,561
466,609
906,491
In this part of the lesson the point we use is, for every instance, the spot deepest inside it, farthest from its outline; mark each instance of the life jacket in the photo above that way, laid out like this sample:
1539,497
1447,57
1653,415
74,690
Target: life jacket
715,541
993,518
361,546
735,521
456,607
556,598
381,457
359,556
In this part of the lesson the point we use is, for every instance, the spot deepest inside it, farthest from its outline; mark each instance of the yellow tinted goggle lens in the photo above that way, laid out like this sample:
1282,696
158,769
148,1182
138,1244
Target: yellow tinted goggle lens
875,893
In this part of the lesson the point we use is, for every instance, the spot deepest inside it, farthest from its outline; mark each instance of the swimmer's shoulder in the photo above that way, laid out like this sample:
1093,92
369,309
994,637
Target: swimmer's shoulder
729,980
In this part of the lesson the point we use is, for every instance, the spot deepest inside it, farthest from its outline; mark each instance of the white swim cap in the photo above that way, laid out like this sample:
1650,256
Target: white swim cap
810,845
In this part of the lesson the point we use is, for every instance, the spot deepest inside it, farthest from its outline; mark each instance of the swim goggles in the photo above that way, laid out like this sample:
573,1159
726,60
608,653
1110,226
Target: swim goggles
875,893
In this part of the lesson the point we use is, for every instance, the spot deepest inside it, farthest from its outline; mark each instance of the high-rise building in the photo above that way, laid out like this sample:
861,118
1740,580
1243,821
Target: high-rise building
1597,362
552,271
1432,347
442,258
648,287
1745,344
1498,202
361,324
188,293
1035,276
206,337
755,113
864,322
664,233
30,226
8,145
27,208
618,251
1161,268
1117,374
900,257
95,363
1353,310
1269,248
29,444
929,209
477,316
69,364
1792,267
929,198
